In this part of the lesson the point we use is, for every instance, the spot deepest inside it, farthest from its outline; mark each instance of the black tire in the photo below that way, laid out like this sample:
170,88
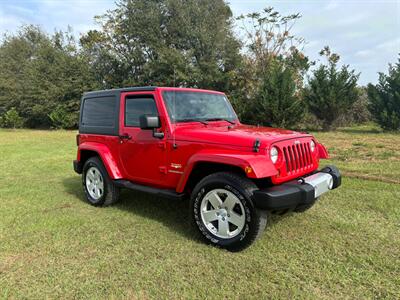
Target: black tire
110,194
242,188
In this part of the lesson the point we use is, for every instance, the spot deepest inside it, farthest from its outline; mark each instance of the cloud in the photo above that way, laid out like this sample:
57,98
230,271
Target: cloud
364,53
364,33
8,22
390,45
53,15
331,5
352,19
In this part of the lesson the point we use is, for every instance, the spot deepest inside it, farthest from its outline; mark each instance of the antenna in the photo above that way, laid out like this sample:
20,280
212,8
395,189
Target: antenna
174,108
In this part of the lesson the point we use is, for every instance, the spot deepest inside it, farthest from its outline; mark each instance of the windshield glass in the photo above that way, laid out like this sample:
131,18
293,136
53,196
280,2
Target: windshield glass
197,106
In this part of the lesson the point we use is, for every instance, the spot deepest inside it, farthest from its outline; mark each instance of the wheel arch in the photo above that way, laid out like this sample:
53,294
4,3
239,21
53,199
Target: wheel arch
204,163
204,168
91,149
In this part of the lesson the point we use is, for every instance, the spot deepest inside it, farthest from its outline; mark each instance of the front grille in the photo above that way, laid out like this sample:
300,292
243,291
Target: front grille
297,157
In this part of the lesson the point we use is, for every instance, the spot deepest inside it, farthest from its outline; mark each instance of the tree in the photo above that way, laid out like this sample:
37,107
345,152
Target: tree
166,42
268,35
277,101
385,98
331,91
268,83
39,72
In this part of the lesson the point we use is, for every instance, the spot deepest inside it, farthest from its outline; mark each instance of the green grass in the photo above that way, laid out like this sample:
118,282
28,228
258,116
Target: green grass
53,244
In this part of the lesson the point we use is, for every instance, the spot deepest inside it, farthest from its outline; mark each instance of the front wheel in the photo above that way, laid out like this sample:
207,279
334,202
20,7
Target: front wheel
223,212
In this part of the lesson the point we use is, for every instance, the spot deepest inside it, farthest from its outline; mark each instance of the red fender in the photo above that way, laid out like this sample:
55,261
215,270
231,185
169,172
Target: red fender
322,152
105,154
253,165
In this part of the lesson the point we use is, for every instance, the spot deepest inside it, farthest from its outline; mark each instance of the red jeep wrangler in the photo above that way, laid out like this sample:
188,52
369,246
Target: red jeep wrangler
179,142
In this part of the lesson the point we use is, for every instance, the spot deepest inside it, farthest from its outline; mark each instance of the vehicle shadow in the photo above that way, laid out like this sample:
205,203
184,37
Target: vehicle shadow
174,214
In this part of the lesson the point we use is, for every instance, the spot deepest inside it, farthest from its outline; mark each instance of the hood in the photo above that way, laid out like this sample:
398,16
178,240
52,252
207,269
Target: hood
236,135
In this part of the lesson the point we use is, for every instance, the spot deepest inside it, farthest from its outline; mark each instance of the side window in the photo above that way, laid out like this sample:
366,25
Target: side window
138,106
99,112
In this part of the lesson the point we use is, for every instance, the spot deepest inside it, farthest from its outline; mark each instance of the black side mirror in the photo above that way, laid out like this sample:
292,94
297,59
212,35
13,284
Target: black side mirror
149,122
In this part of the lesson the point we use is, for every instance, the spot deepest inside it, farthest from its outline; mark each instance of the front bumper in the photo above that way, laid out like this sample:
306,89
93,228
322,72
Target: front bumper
302,191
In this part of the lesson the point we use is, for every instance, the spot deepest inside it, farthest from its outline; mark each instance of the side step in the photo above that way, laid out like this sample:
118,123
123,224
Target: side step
166,193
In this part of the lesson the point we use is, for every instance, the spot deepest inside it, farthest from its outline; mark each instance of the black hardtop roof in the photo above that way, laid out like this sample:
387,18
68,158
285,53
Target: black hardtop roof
120,90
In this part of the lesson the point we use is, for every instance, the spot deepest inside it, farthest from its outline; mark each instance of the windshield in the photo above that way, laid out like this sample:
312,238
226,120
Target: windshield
198,106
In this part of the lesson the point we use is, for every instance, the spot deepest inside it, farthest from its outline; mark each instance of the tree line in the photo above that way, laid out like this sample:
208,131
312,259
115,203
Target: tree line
191,43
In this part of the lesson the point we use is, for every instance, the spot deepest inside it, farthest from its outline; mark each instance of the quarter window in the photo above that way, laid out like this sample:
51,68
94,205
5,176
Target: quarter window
99,112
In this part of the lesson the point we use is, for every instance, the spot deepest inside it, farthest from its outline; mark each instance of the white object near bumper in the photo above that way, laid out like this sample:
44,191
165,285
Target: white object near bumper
322,183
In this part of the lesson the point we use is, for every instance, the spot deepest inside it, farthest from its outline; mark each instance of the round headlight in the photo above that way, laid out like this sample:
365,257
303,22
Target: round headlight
273,153
312,146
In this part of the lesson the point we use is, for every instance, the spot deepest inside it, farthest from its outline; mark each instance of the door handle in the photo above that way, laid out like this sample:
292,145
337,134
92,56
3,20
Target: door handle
125,137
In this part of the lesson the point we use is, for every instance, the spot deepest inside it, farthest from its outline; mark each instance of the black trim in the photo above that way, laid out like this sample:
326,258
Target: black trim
291,194
171,194
102,93
78,166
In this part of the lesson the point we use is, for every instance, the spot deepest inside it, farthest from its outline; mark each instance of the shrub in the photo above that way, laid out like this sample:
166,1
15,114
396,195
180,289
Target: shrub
61,118
11,119
385,99
359,111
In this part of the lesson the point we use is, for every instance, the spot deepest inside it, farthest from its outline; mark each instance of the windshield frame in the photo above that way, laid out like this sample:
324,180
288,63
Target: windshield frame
233,119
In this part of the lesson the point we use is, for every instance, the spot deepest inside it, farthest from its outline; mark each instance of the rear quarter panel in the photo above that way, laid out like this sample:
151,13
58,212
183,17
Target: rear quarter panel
107,149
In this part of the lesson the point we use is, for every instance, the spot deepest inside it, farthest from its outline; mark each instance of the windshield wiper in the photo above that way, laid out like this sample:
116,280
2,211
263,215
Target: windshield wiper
220,119
192,120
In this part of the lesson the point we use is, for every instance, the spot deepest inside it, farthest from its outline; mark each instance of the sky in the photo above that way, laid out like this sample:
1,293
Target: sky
366,34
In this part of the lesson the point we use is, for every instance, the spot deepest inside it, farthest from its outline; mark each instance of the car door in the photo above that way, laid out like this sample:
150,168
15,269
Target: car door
142,155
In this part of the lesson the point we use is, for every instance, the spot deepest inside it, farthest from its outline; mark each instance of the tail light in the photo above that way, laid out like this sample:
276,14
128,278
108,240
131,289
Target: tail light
77,139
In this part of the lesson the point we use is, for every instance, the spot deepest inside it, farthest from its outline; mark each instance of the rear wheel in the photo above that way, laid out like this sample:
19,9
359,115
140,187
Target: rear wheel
97,185
223,212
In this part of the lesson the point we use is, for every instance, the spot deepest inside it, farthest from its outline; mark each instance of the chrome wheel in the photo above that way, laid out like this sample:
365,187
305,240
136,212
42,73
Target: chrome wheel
94,183
222,213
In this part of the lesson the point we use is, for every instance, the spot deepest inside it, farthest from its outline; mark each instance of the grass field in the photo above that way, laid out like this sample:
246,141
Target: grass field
54,245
